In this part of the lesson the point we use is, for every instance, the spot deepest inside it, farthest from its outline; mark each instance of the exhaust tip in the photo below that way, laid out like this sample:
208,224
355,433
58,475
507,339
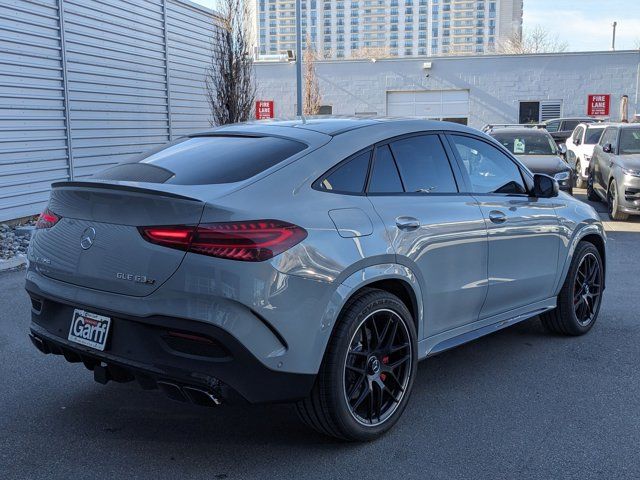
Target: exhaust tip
172,391
39,344
201,397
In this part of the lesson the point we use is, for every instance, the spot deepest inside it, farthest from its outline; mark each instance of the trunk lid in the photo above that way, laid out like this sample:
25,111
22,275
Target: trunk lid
96,244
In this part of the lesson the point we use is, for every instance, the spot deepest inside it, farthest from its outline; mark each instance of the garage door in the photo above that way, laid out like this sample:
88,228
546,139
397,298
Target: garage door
434,104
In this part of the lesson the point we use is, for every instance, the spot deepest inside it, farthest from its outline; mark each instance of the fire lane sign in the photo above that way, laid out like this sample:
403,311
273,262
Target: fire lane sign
264,109
598,105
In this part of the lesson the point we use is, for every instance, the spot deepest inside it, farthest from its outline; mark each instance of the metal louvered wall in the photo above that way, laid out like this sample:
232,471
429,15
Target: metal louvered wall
88,83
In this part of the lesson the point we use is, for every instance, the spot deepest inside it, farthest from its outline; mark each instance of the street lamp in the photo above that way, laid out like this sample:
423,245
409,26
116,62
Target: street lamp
298,59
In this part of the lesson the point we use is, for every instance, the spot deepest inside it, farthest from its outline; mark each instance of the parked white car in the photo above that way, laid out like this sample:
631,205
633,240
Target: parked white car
580,147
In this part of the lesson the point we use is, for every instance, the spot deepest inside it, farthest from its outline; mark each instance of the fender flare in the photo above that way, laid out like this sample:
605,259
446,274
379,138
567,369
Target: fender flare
366,276
588,229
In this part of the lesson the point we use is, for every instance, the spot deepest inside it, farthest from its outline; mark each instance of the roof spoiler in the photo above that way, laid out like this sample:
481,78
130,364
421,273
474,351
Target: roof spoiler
119,186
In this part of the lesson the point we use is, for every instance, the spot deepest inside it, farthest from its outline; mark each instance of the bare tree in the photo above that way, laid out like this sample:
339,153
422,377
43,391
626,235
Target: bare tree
311,101
371,52
536,40
230,83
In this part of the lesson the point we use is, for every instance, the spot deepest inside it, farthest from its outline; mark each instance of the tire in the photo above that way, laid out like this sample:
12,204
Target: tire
592,196
579,183
613,205
339,404
569,317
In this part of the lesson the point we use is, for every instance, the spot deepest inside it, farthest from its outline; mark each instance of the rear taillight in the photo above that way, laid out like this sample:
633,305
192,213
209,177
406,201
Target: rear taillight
250,241
47,219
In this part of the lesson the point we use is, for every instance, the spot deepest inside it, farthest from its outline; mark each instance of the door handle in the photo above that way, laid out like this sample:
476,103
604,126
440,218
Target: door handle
407,223
496,216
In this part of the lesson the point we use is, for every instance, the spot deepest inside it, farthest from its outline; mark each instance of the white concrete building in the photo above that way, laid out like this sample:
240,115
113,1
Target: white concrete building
355,28
475,90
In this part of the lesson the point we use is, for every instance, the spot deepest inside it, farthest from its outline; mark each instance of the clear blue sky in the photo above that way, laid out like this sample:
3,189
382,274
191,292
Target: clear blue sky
583,24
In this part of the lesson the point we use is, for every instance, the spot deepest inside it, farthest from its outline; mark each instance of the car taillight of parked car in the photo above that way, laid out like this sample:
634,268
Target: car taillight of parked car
47,219
247,241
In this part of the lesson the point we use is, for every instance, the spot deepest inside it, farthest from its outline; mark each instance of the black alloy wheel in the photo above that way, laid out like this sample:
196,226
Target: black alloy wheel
377,367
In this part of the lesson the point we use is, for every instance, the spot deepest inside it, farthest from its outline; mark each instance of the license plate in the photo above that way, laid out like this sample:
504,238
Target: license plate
89,329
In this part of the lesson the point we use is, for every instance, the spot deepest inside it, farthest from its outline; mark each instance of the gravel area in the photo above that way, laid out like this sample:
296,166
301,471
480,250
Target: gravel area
14,240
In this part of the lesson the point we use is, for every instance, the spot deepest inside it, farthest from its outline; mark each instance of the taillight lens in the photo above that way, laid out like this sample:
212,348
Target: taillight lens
250,241
47,219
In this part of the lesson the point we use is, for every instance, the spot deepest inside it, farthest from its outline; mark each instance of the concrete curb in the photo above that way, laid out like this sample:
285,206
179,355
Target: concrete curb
12,263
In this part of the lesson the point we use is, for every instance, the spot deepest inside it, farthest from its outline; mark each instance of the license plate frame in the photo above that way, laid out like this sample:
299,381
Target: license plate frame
89,329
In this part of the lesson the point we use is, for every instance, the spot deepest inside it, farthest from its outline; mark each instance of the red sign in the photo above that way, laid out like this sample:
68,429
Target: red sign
264,109
598,105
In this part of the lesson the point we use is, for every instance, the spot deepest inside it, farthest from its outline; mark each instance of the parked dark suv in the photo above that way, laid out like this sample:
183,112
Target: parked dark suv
561,128
614,175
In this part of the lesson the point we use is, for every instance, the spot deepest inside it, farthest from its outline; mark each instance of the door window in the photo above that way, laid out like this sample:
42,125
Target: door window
577,134
489,170
423,165
610,135
553,126
570,125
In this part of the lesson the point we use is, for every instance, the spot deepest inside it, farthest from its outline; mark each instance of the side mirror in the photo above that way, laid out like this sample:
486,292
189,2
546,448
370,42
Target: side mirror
545,186
563,149
607,148
578,141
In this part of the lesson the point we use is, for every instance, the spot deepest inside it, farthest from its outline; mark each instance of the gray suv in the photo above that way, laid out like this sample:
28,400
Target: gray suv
308,261
614,174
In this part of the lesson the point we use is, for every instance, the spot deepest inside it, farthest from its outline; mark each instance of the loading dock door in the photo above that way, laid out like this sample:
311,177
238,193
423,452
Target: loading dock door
434,104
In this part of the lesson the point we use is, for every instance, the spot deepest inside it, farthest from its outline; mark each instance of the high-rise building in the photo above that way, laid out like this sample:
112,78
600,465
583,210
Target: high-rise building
370,28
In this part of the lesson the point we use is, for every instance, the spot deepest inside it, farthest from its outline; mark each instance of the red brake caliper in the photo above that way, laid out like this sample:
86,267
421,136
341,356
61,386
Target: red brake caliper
385,361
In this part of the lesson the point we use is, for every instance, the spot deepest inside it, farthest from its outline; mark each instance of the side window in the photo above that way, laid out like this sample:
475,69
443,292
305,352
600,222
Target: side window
423,165
553,126
604,136
610,135
577,135
570,124
490,170
384,175
348,177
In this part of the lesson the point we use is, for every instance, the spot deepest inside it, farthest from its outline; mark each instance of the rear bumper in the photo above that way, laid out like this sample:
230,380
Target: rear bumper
189,360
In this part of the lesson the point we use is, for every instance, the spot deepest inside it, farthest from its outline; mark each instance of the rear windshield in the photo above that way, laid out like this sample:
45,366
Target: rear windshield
534,143
629,141
593,135
207,160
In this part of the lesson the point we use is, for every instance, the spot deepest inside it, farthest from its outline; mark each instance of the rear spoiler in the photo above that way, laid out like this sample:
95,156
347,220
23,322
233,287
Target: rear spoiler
125,188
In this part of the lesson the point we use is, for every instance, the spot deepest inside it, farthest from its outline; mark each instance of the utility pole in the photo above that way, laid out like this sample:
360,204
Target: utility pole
298,59
613,41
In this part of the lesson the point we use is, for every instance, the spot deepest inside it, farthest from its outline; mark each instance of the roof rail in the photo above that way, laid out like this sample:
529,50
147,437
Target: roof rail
490,127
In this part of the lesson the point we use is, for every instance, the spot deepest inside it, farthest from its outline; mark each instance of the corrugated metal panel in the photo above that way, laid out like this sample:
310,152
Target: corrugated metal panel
76,99
33,141
117,80
189,33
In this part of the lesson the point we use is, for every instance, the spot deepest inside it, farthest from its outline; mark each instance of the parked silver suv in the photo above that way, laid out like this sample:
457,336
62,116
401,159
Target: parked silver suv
312,261
614,175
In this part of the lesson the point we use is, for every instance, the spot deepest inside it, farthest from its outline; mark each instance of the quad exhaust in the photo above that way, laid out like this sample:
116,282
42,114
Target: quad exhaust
193,395
103,373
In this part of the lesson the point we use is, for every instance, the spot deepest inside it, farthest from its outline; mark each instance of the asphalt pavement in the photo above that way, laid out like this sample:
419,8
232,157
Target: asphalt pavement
520,403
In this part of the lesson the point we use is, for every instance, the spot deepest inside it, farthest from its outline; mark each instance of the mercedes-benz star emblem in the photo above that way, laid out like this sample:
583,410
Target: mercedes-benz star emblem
87,238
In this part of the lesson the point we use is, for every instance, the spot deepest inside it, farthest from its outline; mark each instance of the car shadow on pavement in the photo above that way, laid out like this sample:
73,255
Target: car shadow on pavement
127,412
